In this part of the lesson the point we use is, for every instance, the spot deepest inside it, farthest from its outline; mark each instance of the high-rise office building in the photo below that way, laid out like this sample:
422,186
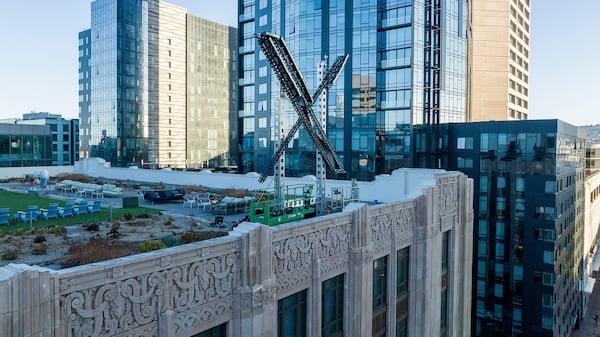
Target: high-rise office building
528,225
498,60
140,100
407,66
211,89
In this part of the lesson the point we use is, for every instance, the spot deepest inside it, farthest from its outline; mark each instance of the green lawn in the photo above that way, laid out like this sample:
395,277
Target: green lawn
19,202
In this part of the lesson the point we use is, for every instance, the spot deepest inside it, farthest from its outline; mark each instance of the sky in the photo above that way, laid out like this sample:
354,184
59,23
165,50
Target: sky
39,68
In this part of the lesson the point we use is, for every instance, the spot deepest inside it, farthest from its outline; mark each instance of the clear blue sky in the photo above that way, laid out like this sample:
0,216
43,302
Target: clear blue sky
38,57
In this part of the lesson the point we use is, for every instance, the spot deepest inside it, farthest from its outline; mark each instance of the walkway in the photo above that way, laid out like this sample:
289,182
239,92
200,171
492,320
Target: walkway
587,327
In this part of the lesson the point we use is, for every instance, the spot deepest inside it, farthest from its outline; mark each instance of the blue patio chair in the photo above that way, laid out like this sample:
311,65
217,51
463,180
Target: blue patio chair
51,212
67,210
95,206
4,216
30,215
82,208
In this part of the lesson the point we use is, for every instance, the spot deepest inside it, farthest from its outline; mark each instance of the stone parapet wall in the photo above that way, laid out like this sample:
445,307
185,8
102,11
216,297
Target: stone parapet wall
238,279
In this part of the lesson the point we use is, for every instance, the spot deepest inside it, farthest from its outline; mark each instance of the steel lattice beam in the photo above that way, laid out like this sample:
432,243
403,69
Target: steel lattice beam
296,91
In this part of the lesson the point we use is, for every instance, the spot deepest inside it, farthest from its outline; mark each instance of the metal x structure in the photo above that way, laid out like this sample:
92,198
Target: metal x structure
294,88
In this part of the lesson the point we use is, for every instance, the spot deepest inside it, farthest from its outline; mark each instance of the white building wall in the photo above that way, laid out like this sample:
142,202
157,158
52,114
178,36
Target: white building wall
590,235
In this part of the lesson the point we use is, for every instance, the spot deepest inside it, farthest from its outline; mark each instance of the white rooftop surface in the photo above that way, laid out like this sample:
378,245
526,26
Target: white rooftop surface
400,185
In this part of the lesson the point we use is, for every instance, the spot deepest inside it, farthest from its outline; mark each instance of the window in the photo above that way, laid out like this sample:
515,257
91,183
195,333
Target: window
481,288
517,314
333,307
518,273
501,181
379,297
520,185
262,105
549,186
262,122
291,315
262,142
547,320
482,248
499,250
262,88
483,225
548,279
262,71
218,331
402,272
547,300
464,143
498,291
481,268
483,184
548,257
262,20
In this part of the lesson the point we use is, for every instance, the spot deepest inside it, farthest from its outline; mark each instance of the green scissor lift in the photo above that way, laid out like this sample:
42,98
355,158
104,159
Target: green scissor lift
296,203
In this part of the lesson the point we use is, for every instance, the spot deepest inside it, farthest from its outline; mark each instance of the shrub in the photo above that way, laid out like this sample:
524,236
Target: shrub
139,223
189,236
57,230
232,192
149,246
169,221
39,239
18,232
144,216
171,241
10,254
95,251
92,227
192,236
39,248
128,216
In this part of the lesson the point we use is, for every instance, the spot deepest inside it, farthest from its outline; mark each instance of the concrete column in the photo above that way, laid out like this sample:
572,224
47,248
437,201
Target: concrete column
27,302
315,306
255,309
360,277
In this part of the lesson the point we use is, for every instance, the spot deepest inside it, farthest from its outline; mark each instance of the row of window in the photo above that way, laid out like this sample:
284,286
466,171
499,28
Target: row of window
520,75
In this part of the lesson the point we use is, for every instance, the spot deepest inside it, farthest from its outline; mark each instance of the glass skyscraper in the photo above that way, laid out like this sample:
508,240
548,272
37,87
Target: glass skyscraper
115,59
528,223
146,67
406,67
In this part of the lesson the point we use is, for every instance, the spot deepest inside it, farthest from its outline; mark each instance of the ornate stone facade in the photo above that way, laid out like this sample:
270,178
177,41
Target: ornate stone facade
237,280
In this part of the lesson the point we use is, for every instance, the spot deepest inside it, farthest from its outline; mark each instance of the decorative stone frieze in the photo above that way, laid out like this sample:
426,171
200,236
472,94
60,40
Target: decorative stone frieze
448,186
293,256
205,286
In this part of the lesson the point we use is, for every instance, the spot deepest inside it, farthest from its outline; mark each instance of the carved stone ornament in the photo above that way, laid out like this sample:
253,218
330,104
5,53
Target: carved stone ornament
122,306
400,222
293,256
191,319
448,194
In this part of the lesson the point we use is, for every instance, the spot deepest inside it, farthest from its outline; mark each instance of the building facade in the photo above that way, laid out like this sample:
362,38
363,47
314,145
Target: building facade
134,95
592,158
529,223
498,60
395,269
591,256
65,135
25,145
407,66
212,87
